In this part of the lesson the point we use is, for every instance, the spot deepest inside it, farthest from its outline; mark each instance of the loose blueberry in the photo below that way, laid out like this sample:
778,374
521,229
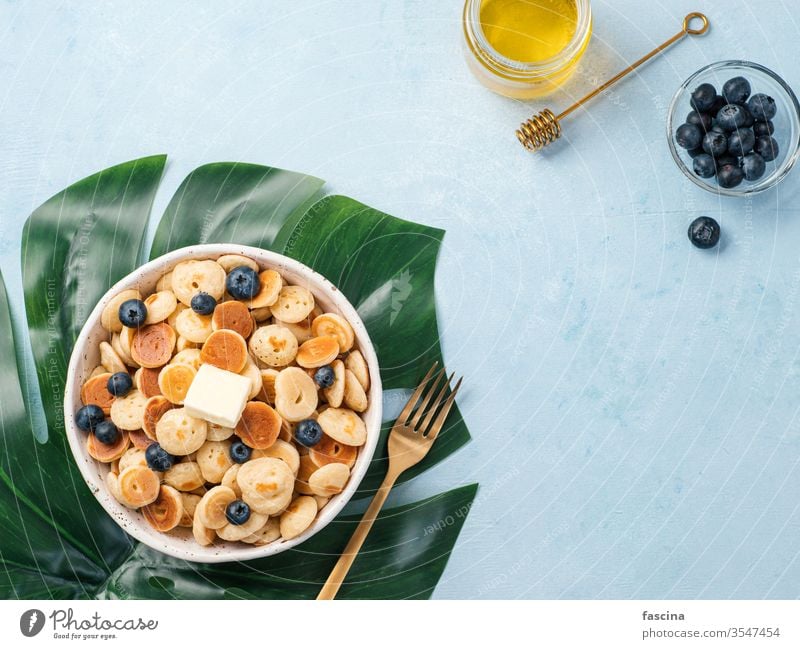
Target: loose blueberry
704,232
741,142
766,147
730,176
203,304
157,458
701,120
703,97
88,417
763,128
730,117
753,166
688,136
704,166
715,143
243,283
763,107
240,452
237,512
132,313
106,432
308,432
324,376
736,90
119,384
718,129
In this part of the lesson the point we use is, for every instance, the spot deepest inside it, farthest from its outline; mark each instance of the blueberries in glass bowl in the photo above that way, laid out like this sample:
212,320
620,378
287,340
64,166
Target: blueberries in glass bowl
729,136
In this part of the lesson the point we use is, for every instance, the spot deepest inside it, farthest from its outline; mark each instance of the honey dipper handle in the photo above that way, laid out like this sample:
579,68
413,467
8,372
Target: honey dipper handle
349,554
686,30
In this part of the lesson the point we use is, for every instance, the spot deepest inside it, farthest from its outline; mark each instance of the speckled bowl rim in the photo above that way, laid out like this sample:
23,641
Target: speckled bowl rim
85,357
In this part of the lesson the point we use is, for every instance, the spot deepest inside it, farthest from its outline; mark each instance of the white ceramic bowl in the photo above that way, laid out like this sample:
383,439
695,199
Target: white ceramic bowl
85,357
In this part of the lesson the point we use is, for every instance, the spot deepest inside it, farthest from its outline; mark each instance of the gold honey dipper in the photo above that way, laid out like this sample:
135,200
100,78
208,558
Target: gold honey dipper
545,127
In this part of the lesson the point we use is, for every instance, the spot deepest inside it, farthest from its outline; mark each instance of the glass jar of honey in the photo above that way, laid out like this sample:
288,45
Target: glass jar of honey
525,48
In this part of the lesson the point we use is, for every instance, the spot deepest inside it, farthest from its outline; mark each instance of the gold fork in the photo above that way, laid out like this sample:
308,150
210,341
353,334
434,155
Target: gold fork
409,441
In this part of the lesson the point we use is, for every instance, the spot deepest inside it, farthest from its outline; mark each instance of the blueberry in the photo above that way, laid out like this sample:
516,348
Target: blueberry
203,304
730,117
704,232
753,166
243,283
749,120
688,136
237,512
763,128
119,384
88,417
157,458
693,153
715,144
718,129
704,166
240,452
703,97
766,147
726,159
106,432
702,120
730,176
719,102
763,107
741,141
132,313
736,90
324,376
308,432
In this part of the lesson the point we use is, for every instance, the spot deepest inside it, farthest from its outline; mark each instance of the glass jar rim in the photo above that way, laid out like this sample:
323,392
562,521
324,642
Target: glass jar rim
505,66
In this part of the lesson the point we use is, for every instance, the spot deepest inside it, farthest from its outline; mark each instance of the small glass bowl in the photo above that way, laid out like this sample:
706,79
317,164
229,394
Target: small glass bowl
786,121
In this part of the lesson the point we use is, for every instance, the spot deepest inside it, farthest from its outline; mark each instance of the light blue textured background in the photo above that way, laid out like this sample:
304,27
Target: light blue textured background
633,401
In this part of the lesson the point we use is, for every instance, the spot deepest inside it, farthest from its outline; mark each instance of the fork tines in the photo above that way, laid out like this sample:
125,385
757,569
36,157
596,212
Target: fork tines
438,399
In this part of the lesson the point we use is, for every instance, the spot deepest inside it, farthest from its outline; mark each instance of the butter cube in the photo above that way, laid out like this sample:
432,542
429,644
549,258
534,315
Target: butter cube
217,396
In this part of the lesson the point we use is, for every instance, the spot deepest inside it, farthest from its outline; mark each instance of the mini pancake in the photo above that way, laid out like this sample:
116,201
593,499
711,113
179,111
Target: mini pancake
154,409
166,511
328,451
335,325
153,344
148,381
307,467
318,351
107,452
95,391
329,480
139,485
175,380
271,285
225,349
233,315
139,439
259,425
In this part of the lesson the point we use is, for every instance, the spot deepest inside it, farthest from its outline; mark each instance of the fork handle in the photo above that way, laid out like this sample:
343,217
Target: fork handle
349,554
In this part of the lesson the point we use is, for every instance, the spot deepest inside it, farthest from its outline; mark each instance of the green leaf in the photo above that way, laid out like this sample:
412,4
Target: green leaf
42,553
233,202
385,266
89,235
75,246
403,558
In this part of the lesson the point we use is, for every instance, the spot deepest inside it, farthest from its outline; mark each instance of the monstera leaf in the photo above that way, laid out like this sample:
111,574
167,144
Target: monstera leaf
82,240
